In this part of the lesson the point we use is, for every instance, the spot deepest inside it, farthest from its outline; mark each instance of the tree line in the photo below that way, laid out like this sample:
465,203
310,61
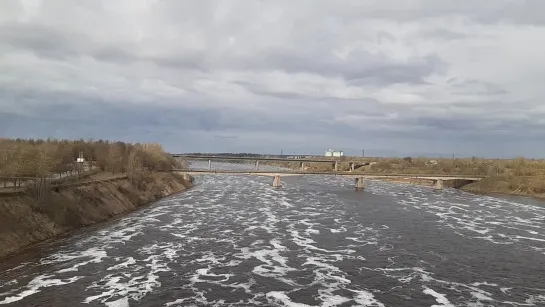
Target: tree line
29,158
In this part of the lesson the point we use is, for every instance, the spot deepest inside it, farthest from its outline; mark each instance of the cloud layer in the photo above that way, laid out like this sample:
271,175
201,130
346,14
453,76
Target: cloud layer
393,77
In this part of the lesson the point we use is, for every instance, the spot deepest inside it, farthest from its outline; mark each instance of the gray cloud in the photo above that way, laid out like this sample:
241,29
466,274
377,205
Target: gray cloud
44,41
526,12
394,77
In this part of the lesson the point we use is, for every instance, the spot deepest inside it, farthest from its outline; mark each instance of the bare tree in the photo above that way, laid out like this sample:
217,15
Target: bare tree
115,159
41,158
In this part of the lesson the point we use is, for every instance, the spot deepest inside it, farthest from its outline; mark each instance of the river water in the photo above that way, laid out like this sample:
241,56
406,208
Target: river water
237,241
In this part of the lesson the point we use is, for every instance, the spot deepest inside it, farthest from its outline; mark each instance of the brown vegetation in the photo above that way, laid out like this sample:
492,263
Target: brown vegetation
468,166
518,176
22,160
120,177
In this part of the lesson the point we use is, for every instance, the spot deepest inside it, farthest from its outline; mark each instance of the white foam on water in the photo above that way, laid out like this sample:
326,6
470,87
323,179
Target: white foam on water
278,297
477,284
312,231
529,238
37,284
177,302
331,278
356,239
206,273
275,265
209,257
365,298
440,298
417,274
122,232
495,220
333,300
480,296
338,230
285,203
536,299
130,261
96,255
135,281
114,286
308,243
122,302
22,265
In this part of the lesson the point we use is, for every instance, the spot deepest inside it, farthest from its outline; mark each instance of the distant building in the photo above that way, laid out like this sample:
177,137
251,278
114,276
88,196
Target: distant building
334,153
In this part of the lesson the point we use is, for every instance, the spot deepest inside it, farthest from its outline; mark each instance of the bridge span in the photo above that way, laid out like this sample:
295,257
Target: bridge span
334,163
359,178
216,157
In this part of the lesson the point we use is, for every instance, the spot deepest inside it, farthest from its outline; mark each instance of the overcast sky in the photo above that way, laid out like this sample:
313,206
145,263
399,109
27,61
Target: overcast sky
392,77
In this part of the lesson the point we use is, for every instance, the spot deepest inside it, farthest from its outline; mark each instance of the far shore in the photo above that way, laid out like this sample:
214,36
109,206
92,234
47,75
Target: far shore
513,177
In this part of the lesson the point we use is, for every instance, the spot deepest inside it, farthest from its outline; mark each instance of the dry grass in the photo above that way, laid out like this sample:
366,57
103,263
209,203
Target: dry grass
507,176
471,166
518,176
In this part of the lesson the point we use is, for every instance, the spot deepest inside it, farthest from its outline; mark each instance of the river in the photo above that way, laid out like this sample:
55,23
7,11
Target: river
237,241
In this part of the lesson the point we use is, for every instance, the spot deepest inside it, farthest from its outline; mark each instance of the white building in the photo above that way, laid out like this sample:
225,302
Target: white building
334,153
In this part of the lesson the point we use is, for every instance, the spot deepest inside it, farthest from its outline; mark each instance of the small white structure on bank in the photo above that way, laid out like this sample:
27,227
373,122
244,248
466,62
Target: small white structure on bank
334,153
80,159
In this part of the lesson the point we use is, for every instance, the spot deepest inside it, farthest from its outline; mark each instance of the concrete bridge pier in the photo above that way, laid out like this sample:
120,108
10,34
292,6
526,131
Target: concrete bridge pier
352,166
257,165
359,185
336,166
276,181
439,184
302,166
209,164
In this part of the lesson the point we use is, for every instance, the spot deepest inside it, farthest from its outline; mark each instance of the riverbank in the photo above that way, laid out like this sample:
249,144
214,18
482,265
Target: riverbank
528,186
491,186
27,221
517,177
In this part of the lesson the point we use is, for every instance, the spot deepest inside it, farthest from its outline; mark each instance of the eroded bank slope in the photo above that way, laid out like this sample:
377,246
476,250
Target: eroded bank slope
530,186
25,221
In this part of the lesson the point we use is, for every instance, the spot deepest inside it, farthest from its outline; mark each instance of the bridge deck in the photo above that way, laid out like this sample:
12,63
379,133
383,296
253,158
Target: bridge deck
192,157
340,173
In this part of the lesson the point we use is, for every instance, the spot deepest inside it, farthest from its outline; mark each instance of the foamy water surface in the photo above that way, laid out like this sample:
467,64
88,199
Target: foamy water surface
237,241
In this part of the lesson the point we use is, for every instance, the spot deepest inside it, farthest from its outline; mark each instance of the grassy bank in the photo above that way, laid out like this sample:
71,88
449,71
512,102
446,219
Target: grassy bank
524,177
533,186
520,176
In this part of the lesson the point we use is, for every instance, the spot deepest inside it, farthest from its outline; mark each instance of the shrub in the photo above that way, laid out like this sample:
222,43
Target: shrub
42,158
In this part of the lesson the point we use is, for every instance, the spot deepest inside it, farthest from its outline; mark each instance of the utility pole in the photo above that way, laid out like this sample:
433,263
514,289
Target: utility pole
281,152
363,153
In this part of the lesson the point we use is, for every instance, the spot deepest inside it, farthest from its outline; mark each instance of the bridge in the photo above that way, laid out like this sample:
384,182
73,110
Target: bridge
438,180
334,163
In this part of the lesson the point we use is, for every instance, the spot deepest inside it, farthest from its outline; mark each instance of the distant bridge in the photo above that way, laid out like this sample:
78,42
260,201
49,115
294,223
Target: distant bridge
215,157
437,179
334,163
